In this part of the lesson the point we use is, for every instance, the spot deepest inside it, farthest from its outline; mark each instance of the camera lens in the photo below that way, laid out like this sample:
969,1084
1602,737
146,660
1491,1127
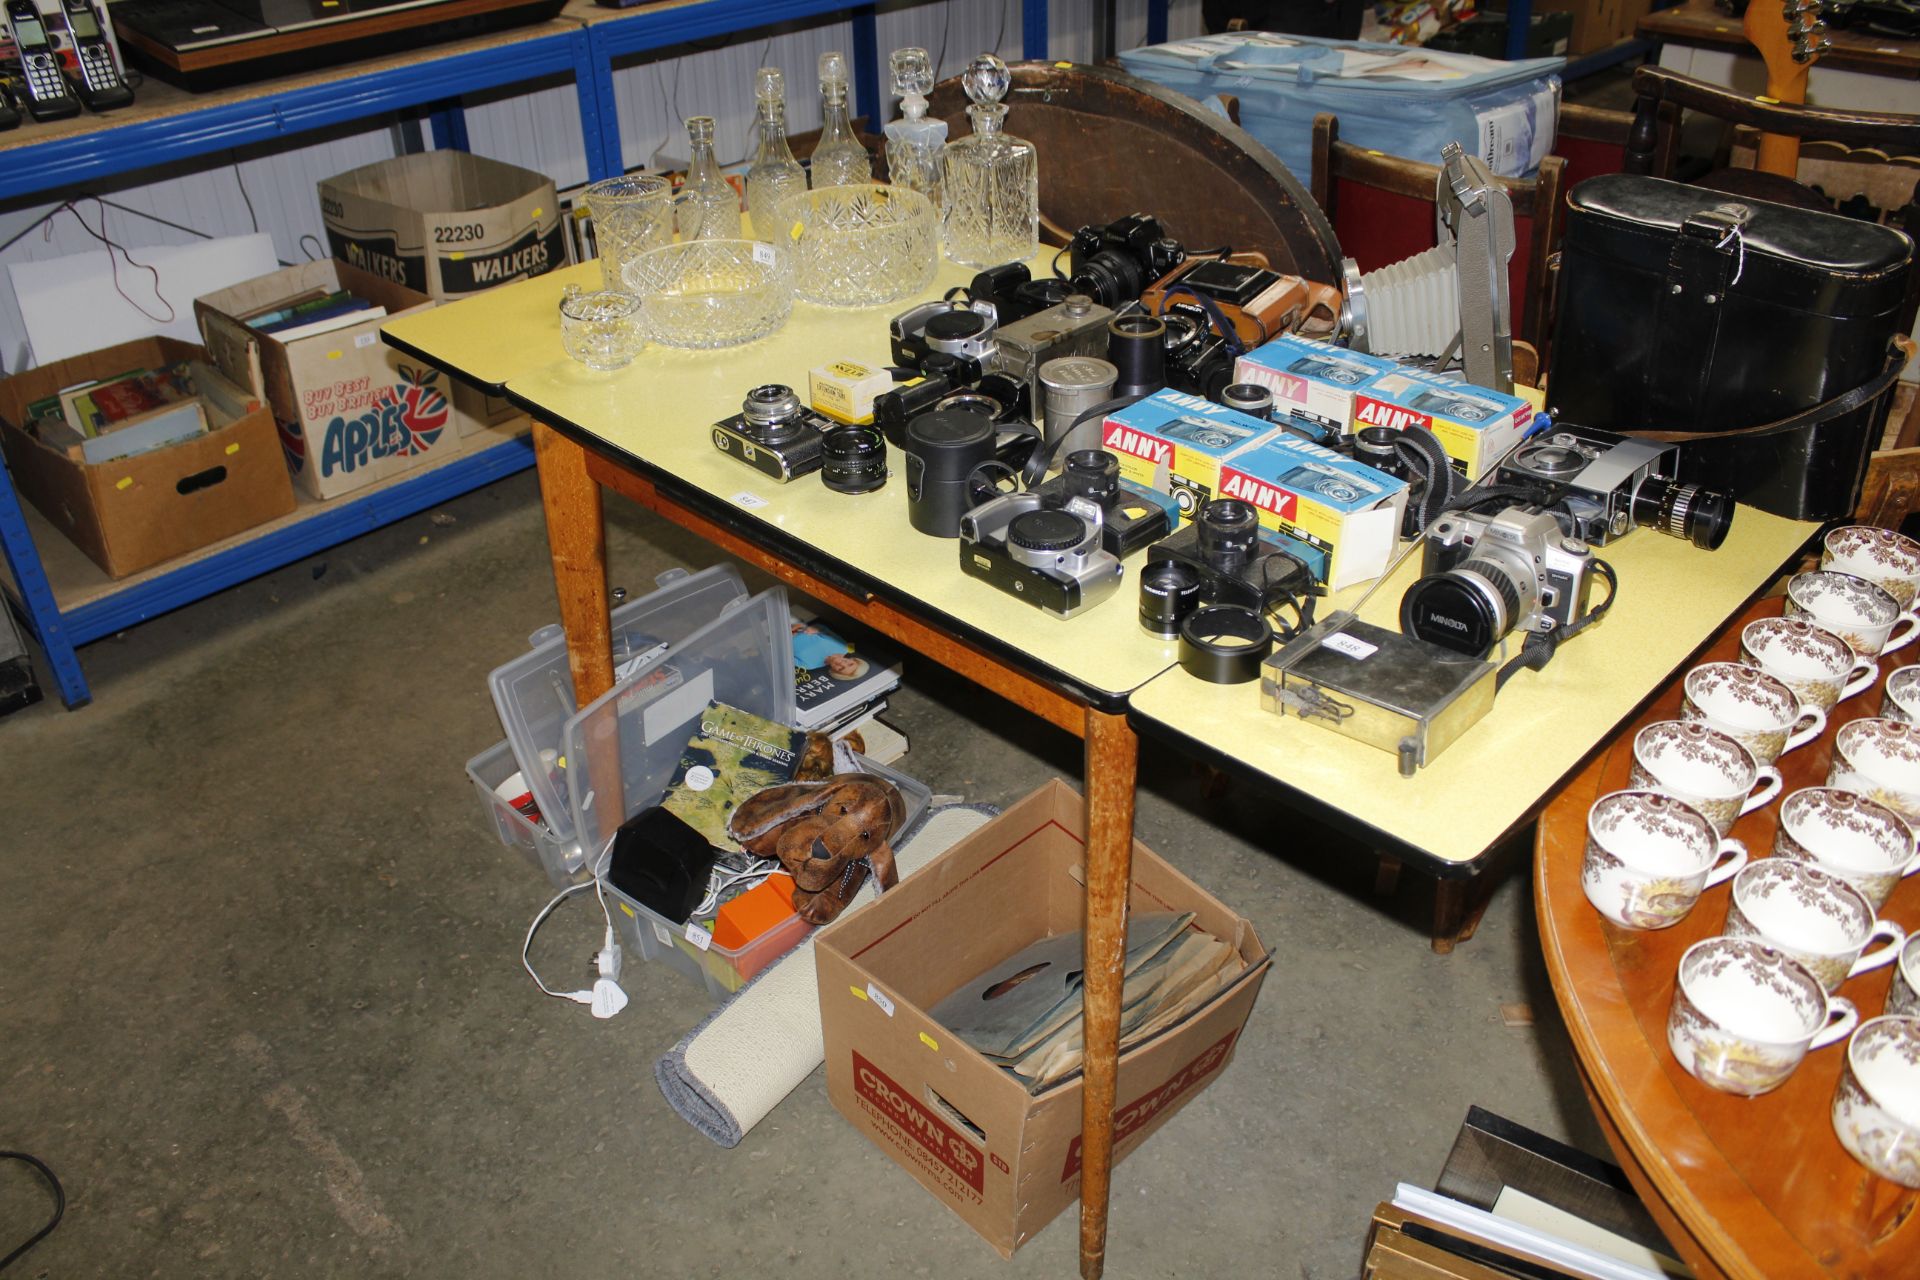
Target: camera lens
853,460
1109,278
772,411
1700,515
1169,590
1093,474
1136,347
1248,397
1467,608
1229,530
1374,446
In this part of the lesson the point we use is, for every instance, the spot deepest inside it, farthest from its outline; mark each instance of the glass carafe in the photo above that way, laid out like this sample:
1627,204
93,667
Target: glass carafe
915,143
839,160
775,174
708,208
992,211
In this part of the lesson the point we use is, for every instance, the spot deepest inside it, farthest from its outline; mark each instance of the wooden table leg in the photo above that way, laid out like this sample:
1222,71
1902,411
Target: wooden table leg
1112,763
577,540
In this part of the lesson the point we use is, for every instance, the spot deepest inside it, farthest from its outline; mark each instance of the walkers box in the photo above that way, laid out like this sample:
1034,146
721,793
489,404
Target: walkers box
1006,1161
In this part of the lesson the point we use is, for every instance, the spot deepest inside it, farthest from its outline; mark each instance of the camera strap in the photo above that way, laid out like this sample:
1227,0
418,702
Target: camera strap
1540,646
1867,392
1042,459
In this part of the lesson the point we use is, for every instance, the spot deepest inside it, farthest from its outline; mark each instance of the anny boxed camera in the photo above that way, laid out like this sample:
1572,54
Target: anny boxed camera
1175,442
1312,382
1345,510
1474,425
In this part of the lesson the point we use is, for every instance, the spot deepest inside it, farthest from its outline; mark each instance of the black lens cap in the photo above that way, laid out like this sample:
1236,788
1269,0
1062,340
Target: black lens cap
1048,529
955,325
1449,612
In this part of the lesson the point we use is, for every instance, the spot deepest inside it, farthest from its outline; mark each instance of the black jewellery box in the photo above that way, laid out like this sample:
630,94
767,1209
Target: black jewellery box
1753,334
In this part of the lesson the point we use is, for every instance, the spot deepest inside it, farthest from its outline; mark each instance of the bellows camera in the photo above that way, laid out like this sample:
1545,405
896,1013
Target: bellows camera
1048,556
1238,564
1488,576
1132,515
1608,485
774,433
1115,263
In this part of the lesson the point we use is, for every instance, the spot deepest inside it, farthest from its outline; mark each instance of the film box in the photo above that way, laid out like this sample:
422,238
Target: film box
444,223
1005,1161
844,390
1175,443
1345,509
1474,425
1313,382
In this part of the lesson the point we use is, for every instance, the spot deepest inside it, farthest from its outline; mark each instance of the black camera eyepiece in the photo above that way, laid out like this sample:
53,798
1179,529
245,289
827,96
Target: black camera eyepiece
1229,530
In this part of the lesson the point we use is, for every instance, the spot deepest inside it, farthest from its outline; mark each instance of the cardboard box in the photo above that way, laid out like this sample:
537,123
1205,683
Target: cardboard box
1344,509
132,513
1007,1162
1476,427
1175,443
444,223
351,410
1313,382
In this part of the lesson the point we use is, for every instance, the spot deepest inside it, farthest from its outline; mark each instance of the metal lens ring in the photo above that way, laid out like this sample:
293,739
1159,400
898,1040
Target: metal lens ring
1204,656
853,459
771,411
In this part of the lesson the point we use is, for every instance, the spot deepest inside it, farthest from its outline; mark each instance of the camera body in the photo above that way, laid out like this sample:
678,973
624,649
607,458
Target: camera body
1115,263
1014,293
774,433
956,328
1076,327
1238,562
1049,556
1199,360
1486,576
1132,515
950,382
1608,485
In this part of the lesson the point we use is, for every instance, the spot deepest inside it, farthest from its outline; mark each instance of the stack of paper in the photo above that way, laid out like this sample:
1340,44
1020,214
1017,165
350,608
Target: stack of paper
1025,1012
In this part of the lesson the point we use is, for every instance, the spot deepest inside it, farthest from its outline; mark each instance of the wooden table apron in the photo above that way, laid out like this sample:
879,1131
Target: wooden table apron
1748,1188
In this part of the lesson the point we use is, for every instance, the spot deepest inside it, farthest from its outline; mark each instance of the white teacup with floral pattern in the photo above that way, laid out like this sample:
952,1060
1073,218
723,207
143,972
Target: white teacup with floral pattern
1840,831
1815,917
1710,771
1751,707
1902,700
1876,1104
1744,1014
1880,759
1820,667
1889,560
1649,856
1864,615
1904,996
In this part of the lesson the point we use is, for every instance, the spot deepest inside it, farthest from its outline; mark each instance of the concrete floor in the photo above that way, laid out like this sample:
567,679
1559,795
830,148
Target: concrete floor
263,1011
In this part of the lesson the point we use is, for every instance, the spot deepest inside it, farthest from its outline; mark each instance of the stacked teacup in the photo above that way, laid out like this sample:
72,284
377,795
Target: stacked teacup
1748,1005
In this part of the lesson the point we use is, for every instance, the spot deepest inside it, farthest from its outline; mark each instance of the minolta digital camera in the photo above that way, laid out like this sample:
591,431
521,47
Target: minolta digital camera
1489,576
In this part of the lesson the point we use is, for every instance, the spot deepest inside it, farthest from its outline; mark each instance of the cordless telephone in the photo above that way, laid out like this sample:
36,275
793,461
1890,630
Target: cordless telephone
100,84
47,96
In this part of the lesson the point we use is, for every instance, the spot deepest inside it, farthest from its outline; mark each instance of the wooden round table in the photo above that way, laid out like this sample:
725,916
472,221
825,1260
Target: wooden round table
1753,1188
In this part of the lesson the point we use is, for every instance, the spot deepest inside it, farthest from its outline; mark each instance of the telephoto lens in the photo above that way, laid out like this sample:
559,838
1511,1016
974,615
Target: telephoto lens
1700,515
1169,590
1137,349
943,448
1093,474
853,459
1229,530
1249,398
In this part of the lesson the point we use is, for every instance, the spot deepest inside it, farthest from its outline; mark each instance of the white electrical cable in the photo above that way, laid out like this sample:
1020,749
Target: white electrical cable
578,997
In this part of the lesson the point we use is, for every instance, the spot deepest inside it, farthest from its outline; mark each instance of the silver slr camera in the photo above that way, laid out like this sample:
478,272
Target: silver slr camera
1049,556
1608,485
1488,576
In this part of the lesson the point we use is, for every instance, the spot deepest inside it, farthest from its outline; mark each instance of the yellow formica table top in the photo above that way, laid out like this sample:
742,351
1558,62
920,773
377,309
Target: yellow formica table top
1673,599
495,335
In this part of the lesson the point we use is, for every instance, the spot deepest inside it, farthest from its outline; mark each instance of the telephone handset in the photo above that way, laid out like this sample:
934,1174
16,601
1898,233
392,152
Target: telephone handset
47,96
100,84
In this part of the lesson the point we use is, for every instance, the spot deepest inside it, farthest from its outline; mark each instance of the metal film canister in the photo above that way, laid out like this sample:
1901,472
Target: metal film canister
1072,385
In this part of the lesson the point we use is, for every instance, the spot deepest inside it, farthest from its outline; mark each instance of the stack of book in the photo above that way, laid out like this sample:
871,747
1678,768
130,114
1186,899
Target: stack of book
1512,1202
311,312
132,412
841,679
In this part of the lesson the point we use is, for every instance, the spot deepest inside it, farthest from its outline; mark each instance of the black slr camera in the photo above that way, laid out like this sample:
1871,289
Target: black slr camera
1114,264
1607,485
1049,556
1487,576
1133,516
1236,563
774,433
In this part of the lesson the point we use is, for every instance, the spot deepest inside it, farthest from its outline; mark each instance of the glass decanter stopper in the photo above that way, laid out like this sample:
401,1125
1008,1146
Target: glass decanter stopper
709,208
839,160
915,143
774,174
992,212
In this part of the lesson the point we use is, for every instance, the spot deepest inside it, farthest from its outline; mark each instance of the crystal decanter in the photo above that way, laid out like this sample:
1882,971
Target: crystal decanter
709,208
774,174
914,142
839,160
992,211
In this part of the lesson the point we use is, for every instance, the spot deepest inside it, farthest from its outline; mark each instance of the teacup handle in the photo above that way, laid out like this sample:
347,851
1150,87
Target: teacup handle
1895,936
1901,639
1769,783
1842,1017
1860,679
1815,721
1732,857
